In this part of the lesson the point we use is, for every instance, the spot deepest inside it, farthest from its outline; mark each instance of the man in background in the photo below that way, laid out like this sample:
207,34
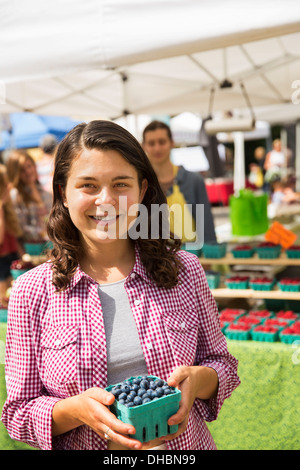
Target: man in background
180,186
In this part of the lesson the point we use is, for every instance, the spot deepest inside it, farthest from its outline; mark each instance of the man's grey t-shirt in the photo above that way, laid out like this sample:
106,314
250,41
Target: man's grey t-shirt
124,352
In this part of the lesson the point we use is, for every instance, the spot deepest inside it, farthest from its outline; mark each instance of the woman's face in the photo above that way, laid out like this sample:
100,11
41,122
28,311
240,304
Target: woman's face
101,188
28,174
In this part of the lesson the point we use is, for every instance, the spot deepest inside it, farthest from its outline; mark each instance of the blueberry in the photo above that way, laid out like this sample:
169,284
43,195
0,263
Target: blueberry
122,401
152,385
146,400
146,395
123,396
134,387
141,392
129,404
136,381
159,382
131,396
144,377
137,401
125,388
144,384
116,391
167,391
159,391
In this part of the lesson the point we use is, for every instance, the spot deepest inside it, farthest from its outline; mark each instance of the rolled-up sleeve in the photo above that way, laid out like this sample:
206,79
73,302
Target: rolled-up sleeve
212,350
27,411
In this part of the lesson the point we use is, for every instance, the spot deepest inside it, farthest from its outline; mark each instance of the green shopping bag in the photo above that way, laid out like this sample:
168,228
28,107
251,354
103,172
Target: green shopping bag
248,213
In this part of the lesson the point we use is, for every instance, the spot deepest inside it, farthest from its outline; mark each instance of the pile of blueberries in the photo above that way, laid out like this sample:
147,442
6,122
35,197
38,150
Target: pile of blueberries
141,390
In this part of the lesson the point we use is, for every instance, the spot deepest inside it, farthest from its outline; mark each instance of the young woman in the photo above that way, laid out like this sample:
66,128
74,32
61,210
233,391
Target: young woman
31,202
10,231
110,305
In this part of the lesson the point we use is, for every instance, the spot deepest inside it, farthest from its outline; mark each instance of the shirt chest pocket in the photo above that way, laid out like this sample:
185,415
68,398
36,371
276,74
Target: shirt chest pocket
59,352
182,332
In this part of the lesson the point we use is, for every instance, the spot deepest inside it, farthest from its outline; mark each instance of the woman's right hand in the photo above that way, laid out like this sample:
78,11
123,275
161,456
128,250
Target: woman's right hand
91,408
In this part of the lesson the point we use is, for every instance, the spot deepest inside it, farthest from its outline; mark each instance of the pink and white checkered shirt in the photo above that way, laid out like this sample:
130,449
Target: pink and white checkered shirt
56,348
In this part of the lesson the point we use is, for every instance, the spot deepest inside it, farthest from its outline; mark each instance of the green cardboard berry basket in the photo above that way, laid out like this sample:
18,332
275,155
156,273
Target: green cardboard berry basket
289,338
289,287
3,315
243,252
268,252
213,279
242,333
293,252
149,419
214,250
233,284
261,333
266,286
17,272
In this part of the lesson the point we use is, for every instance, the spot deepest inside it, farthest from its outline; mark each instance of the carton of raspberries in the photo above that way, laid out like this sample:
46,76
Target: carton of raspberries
146,402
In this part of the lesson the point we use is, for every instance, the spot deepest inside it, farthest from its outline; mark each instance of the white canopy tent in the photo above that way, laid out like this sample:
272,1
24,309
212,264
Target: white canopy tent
108,58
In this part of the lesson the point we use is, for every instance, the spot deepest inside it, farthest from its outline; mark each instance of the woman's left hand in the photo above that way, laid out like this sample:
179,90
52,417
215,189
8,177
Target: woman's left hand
193,382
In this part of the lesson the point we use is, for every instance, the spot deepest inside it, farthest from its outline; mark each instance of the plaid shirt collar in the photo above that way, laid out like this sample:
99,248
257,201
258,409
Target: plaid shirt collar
138,269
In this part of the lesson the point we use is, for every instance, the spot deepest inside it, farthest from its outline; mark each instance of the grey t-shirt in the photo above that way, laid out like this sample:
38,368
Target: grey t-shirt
124,352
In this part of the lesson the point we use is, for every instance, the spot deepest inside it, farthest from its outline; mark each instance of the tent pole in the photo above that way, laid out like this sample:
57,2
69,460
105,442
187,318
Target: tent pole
239,162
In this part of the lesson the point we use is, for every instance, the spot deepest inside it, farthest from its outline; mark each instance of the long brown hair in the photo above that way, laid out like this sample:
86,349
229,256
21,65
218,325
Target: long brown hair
11,220
15,163
157,255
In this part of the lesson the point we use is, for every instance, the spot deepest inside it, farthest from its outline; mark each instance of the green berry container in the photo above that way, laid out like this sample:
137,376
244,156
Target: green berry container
3,315
214,250
213,279
149,419
268,251
237,283
35,249
243,252
289,335
17,272
289,285
265,334
239,332
293,252
265,285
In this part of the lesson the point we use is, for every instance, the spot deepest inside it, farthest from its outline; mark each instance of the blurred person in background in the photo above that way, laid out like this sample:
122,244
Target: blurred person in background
179,185
31,202
10,231
45,165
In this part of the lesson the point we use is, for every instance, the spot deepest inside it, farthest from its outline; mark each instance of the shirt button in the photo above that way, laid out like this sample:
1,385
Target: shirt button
137,302
149,346
182,324
57,342
132,275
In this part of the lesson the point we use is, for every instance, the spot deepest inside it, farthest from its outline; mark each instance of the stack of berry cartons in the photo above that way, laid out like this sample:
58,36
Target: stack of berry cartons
262,283
237,282
229,315
268,250
146,402
242,251
242,327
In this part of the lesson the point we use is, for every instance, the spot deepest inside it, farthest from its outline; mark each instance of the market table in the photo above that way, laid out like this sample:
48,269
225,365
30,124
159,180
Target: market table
263,413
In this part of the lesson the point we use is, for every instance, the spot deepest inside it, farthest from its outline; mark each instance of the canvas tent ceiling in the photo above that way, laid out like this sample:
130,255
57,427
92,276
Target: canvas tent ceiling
101,58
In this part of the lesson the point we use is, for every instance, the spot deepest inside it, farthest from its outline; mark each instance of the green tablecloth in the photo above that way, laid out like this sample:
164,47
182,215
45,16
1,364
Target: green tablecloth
262,414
